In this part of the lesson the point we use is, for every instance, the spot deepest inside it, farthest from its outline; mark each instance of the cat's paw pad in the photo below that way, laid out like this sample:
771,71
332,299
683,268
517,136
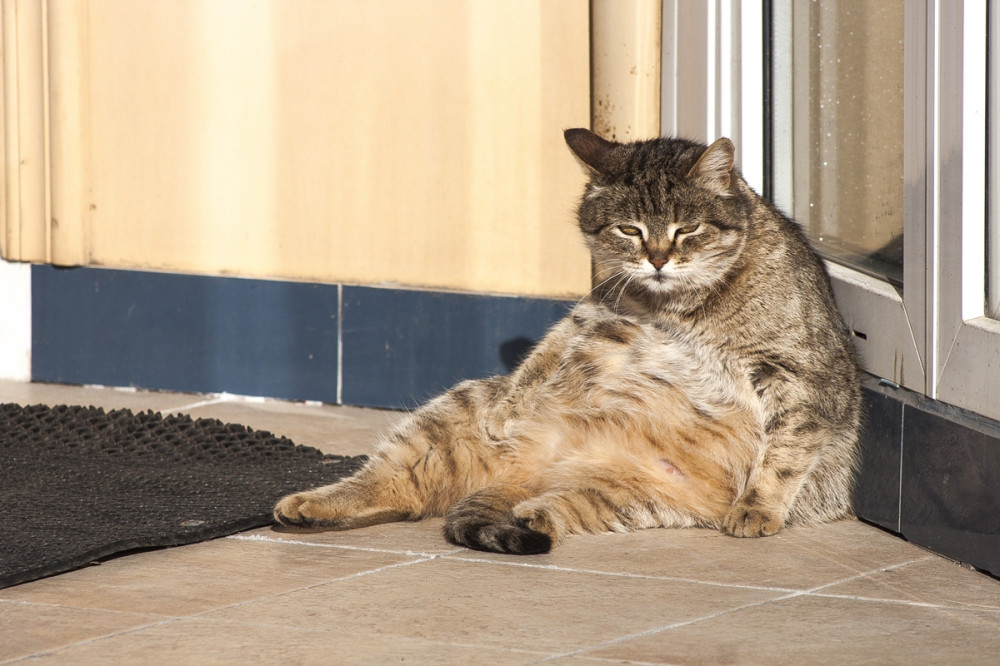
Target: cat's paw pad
300,509
751,521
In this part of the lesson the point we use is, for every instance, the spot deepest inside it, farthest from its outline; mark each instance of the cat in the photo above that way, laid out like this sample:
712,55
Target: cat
707,380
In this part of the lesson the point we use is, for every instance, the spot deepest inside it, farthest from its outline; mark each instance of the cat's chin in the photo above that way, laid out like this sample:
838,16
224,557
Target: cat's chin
660,284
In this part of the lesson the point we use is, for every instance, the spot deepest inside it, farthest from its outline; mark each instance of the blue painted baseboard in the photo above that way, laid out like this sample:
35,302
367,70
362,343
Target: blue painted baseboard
184,332
271,338
402,347
931,472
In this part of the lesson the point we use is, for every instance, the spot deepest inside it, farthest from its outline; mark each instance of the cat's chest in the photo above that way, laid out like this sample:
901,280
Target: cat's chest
628,355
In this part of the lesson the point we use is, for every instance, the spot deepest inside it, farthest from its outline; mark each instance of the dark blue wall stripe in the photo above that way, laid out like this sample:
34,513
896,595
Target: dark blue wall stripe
277,339
402,347
876,497
950,499
931,472
184,332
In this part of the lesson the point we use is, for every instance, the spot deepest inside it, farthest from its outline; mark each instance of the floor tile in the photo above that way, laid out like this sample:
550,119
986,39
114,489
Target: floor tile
28,628
108,398
331,429
200,641
417,537
846,592
199,577
334,429
812,630
795,558
471,603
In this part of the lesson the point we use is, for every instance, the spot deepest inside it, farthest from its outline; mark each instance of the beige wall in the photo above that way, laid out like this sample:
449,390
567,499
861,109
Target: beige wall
362,141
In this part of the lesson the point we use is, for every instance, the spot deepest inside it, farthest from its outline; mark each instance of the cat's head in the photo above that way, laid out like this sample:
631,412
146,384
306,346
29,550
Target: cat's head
663,217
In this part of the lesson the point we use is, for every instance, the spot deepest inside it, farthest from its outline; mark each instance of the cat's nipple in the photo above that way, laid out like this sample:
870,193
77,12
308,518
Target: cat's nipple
671,469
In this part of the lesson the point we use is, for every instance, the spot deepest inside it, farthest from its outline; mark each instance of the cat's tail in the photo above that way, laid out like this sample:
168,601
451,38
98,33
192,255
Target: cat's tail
485,520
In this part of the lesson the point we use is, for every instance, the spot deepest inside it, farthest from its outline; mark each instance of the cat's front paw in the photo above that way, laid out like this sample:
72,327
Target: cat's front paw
301,509
751,521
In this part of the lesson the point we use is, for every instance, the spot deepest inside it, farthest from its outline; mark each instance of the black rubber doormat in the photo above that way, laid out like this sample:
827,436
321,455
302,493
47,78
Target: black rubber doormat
78,484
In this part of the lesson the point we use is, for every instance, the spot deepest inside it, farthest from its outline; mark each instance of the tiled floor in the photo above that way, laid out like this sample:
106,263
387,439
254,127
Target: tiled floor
842,593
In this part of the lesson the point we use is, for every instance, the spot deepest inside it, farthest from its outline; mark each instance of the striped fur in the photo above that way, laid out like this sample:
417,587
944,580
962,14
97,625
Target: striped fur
707,380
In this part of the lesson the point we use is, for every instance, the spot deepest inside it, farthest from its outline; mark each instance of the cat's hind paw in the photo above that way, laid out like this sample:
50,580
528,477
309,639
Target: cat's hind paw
486,520
751,521
535,516
498,538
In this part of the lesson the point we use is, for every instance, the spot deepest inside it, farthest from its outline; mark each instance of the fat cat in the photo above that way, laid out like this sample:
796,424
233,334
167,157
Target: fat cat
707,380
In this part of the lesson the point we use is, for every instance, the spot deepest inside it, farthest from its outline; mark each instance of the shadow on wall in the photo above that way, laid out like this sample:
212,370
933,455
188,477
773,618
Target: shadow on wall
513,351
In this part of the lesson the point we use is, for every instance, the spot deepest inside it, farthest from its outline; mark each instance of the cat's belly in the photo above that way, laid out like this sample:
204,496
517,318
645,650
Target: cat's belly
633,403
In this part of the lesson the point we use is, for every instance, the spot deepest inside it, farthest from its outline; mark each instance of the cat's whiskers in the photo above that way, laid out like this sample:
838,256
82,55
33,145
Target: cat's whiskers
619,276
615,272
624,280
621,292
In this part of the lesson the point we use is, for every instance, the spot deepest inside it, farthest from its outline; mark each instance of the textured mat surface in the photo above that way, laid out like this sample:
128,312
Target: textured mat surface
78,484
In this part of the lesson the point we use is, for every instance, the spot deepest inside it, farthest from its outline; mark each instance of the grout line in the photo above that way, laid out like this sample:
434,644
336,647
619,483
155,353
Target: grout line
359,574
295,542
93,639
340,344
608,660
904,602
675,625
865,574
615,574
194,405
49,604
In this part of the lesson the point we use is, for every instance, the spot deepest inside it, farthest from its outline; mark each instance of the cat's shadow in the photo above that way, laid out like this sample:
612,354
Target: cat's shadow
515,350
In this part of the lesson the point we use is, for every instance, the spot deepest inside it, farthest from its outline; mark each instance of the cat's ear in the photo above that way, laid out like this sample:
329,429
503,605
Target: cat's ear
591,150
714,169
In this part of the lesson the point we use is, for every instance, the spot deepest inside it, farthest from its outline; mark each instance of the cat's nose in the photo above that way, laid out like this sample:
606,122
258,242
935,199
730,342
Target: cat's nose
658,262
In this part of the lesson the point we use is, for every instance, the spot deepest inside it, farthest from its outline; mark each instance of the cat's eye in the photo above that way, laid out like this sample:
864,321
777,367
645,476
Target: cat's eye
688,228
629,230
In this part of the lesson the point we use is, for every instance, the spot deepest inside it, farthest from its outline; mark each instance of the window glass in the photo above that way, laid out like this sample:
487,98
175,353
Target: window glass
847,78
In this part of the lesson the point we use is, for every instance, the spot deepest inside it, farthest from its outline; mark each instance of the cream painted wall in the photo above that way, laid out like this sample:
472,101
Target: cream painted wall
387,141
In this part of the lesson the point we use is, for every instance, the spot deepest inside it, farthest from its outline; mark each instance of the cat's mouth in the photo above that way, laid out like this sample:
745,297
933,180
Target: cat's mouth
646,278
659,280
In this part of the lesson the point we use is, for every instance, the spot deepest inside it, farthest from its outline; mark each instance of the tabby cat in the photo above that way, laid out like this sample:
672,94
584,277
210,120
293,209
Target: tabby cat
707,380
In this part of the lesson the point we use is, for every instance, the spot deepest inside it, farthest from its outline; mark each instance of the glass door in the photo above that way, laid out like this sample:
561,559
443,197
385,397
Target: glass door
846,145
880,152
